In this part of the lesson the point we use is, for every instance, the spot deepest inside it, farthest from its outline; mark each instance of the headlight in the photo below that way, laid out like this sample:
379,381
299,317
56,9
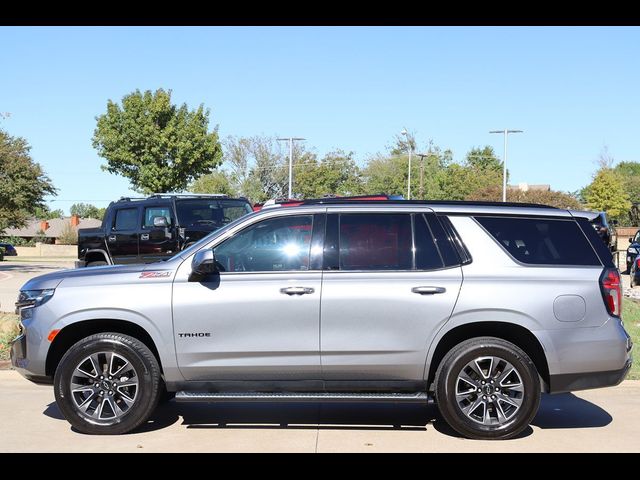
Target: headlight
633,250
33,298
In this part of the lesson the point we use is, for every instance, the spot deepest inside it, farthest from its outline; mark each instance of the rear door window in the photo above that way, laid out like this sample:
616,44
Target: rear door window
375,242
126,219
541,241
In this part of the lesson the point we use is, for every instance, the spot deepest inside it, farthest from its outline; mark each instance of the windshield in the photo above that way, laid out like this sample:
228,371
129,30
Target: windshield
203,241
209,211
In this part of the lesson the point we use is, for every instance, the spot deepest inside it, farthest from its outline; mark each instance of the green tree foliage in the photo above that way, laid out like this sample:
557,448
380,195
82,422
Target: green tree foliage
23,183
45,213
629,172
336,173
86,210
606,192
158,146
216,182
493,193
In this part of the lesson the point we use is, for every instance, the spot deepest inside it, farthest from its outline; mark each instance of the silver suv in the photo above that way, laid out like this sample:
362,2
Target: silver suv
479,306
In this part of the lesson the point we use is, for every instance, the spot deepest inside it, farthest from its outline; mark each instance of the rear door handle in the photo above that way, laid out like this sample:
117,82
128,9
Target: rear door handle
296,290
428,290
112,238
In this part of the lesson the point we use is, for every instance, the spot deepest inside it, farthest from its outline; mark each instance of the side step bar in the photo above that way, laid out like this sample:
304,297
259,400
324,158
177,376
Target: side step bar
417,397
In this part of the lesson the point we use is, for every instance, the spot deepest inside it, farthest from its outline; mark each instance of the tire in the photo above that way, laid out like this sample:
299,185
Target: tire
97,263
473,422
120,408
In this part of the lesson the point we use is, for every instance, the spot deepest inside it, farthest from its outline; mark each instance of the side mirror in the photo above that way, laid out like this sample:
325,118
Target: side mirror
614,223
630,239
203,264
160,222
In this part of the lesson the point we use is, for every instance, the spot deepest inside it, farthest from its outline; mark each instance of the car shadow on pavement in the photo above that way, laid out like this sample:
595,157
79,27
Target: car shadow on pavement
556,411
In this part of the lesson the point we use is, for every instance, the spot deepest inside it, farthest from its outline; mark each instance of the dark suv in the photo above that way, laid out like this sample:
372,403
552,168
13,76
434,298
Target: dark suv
146,230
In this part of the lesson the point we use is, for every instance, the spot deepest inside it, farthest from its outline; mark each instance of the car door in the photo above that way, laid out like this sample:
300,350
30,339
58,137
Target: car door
386,291
157,242
122,235
258,318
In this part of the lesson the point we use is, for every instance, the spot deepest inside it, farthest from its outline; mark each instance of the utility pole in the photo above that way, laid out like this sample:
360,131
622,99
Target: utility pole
410,143
506,133
290,140
422,155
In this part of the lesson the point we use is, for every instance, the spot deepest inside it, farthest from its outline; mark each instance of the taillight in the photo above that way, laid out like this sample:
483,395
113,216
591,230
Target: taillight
638,261
611,291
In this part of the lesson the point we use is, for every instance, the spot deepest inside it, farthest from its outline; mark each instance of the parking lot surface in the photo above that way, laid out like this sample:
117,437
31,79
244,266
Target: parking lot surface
603,420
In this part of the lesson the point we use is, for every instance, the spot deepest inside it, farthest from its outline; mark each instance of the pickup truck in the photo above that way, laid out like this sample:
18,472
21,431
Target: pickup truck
147,230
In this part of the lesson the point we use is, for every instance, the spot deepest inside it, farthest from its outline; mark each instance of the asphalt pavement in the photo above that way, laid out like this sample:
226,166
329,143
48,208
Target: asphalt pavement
14,274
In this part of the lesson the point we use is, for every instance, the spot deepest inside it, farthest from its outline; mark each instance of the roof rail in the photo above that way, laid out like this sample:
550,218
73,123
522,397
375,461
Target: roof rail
387,199
129,199
212,195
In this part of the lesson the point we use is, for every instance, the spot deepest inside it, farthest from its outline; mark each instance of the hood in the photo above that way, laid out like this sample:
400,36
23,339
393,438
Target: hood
53,279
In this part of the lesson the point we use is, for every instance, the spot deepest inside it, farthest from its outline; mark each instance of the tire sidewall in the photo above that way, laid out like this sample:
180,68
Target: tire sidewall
146,396
446,389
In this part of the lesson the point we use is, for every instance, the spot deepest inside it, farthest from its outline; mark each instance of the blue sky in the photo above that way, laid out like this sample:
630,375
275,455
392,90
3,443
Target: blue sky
572,90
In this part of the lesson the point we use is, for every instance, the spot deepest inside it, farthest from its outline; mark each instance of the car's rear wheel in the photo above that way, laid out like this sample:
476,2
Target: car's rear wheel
107,383
487,388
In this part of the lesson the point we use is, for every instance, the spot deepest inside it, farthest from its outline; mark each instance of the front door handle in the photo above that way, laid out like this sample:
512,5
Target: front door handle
428,290
144,236
112,238
297,290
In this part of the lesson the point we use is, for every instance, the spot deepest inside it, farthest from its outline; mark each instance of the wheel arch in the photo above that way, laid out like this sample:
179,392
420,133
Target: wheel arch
75,332
511,332
97,255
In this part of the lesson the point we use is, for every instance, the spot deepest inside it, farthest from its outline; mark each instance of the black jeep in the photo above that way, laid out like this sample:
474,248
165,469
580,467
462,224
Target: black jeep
146,230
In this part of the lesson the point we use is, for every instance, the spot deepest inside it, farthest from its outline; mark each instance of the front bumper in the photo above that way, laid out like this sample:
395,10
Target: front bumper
20,362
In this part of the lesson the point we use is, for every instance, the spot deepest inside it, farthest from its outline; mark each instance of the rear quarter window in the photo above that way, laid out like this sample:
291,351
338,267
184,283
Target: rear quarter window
541,241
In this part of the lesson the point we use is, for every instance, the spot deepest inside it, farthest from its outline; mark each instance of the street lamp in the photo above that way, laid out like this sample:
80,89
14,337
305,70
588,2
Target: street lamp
406,134
290,140
506,133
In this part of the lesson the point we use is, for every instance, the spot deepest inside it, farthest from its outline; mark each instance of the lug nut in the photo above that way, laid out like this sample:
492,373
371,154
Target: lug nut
497,389
101,377
111,377
101,392
483,382
493,396
484,397
96,385
110,393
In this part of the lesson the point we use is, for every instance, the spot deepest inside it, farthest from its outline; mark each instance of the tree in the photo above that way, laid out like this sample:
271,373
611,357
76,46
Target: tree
606,192
23,183
552,198
629,172
216,182
86,210
337,174
158,146
45,213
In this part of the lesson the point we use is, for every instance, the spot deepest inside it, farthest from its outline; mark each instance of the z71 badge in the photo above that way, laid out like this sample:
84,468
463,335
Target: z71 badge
154,274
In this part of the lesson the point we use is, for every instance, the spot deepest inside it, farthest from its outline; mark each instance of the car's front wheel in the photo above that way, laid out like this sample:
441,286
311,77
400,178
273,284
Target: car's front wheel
487,388
107,383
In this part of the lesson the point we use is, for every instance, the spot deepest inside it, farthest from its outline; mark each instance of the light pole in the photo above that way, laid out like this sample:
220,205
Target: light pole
410,143
506,133
290,140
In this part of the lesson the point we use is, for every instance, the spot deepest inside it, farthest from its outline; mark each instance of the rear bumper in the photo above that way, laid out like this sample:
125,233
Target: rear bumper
584,381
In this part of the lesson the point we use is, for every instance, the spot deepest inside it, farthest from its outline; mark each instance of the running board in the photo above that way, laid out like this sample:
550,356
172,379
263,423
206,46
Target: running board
187,397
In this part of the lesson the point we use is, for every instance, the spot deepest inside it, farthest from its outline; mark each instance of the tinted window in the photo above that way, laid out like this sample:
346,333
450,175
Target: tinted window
210,211
427,256
151,212
277,244
375,242
443,241
541,241
126,219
